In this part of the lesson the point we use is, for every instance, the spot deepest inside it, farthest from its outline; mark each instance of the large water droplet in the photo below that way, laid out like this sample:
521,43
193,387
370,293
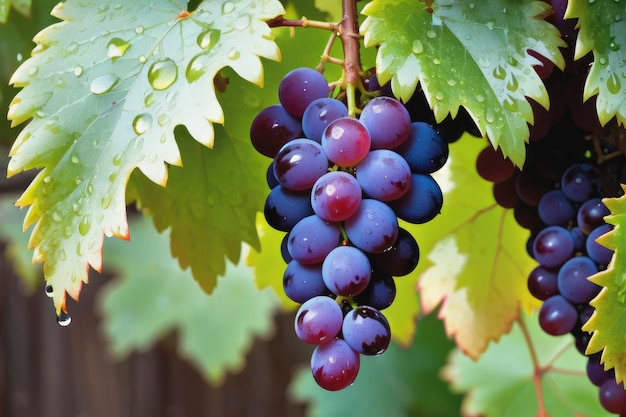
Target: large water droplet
613,84
513,84
106,202
499,72
103,83
162,74
418,47
116,48
431,34
49,290
139,30
84,226
78,71
195,69
64,319
208,38
142,123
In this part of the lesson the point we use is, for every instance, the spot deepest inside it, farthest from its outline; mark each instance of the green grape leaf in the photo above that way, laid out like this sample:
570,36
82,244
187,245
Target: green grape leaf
153,297
399,383
608,322
209,204
104,90
467,53
21,6
506,379
473,261
601,29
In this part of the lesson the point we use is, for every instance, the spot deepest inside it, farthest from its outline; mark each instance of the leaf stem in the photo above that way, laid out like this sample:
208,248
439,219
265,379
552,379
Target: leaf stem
538,369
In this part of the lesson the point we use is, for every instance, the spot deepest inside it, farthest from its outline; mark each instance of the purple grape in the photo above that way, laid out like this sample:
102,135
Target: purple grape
384,175
555,209
346,271
312,239
302,282
505,194
270,177
284,251
387,121
553,246
422,202
572,280
613,396
366,330
318,115
542,283
299,88
581,182
299,164
598,253
595,371
284,207
591,215
272,128
373,228
424,150
336,196
346,141
401,259
318,320
557,316
580,239
379,293
334,365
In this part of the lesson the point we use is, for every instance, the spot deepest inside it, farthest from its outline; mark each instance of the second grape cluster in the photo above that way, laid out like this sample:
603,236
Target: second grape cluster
338,187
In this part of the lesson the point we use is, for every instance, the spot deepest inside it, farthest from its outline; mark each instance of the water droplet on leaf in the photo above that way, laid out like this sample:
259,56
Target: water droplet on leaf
116,48
613,84
418,47
208,38
142,123
162,74
49,290
228,7
195,69
64,319
84,226
103,83
431,34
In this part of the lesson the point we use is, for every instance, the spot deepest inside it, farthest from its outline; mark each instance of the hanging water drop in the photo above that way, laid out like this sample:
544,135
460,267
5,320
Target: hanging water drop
418,47
195,69
162,74
103,83
142,123
84,226
208,38
116,48
49,290
499,72
513,84
64,319
78,71
613,84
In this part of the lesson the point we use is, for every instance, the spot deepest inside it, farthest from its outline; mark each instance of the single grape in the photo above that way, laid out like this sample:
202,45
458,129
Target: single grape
401,259
580,239
302,282
581,182
553,246
366,330
424,150
346,271
527,216
318,115
272,128
299,88
379,293
318,320
334,365
421,203
384,175
336,196
542,283
555,209
591,214
492,166
572,280
284,207
598,253
373,227
613,396
505,194
312,238
346,141
557,316
299,164
531,187
595,370
387,121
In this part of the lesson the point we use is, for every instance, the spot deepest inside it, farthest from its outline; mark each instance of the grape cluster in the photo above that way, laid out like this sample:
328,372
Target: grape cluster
338,187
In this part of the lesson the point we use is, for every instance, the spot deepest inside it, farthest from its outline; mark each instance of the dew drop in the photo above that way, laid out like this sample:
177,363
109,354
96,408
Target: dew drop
49,290
76,207
139,30
480,98
195,69
142,123
418,47
116,48
149,100
510,104
436,61
490,25
368,230
106,202
489,117
451,82
431,34
59,83
228,7
84,226
162,74
142,59
513,84
613,84
75,159
163,119
234,54
56,216
208,38
117,159
79,249
499,72
613,46
33,71
64,319
62,255
113,177
47,179
603,60
371,215
78,71
103,83
439,95
103,8
68,231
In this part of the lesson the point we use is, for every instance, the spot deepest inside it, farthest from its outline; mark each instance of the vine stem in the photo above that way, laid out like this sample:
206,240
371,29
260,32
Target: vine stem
538,369
350,40
280,21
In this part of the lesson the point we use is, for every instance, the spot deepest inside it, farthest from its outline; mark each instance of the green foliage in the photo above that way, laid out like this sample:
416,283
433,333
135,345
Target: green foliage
104,103
153,297
474,263
507,378
602,29
400,383
470,54
21,6
608,322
